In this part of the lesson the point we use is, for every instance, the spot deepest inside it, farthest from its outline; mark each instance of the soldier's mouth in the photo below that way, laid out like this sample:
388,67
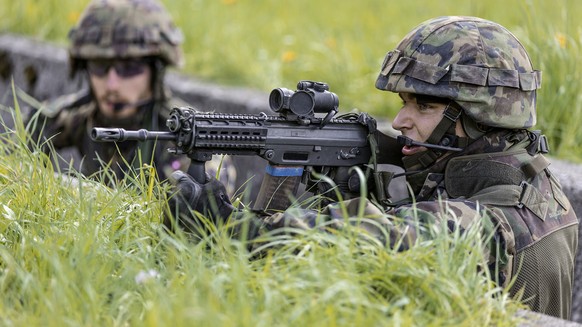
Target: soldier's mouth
409,150
118,106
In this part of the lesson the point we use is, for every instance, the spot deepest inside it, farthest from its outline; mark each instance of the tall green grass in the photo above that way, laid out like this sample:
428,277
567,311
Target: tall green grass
266,44
74,252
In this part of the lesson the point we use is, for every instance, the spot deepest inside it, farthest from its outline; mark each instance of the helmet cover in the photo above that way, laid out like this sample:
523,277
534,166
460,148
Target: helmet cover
111,29
475,62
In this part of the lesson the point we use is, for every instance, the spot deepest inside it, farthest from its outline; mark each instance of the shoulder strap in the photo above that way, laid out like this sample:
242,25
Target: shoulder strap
53,107
490,181
467,175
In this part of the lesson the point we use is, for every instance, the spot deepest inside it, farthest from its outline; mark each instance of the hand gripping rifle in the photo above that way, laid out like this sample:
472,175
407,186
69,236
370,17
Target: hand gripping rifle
295,143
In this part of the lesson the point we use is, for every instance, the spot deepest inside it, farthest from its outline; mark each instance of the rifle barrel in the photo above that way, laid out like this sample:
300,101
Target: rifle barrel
120,135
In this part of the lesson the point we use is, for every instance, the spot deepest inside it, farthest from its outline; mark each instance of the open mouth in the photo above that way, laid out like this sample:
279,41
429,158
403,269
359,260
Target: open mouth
114,106
117,106
409,150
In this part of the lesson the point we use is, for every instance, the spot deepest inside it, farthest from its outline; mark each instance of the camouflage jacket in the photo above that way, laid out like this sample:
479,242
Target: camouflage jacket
504,181
68,120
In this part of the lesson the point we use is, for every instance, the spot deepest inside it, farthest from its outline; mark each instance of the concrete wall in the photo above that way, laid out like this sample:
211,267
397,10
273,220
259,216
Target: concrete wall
41,70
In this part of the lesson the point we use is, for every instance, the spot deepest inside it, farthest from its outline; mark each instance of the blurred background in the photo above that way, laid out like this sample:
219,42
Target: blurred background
264,44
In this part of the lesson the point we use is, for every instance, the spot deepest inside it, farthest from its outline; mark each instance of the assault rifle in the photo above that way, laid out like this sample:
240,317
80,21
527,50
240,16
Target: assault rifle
296,142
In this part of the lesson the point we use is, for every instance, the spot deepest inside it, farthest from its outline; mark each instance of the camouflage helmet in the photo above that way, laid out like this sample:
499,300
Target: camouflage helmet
477,63
124,29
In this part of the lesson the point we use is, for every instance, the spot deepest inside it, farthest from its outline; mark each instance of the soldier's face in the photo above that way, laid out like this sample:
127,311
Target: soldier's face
417,119
120,86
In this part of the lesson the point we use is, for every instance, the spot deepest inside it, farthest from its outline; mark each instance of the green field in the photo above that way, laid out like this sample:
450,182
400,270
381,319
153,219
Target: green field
269,44
81,254
77,253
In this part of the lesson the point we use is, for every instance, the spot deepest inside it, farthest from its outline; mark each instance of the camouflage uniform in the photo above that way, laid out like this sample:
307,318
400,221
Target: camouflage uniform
69,124
531,220
120,29
500,177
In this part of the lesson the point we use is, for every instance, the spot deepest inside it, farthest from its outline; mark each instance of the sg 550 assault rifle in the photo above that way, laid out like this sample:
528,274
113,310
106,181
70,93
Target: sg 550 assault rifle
295,142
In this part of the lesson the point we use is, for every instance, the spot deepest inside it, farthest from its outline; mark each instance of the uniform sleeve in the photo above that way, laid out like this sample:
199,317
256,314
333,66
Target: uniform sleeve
42,129
400,228
58,130
61,120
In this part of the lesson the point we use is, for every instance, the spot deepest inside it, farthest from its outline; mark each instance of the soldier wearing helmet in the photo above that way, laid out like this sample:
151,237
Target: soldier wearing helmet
469,100
468,83
124,47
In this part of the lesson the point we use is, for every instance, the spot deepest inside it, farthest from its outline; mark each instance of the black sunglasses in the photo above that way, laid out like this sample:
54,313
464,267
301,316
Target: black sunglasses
123,68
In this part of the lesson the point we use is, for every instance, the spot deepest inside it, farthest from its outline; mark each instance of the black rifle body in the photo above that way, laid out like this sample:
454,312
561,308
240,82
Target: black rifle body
291,147
295,143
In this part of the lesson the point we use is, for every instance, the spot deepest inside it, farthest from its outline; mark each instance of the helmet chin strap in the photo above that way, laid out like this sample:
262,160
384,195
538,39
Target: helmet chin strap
151,120
407,141
442,139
